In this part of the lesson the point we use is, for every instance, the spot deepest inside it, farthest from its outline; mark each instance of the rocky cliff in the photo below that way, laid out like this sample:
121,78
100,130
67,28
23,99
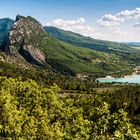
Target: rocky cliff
19,45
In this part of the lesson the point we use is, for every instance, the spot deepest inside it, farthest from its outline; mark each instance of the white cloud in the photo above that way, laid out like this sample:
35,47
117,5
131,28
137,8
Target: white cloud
67,23
110,20
79,26
119,32
125,32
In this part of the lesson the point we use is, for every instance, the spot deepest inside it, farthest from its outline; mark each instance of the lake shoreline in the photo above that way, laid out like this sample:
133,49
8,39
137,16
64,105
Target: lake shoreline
124,79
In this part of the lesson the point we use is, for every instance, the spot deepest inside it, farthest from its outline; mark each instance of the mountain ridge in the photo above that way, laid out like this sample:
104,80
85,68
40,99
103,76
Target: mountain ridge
27,39
75,39
120,49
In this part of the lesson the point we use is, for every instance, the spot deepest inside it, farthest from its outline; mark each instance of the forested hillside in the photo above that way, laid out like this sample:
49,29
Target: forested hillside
122,50
29,111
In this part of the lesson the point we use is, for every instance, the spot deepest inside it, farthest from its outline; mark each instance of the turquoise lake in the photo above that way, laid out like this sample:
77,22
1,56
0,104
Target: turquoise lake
129,79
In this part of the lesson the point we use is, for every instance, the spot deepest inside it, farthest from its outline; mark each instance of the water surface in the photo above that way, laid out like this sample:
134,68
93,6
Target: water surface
134,78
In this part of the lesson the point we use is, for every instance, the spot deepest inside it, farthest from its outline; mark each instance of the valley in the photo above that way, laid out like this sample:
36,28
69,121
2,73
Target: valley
48,87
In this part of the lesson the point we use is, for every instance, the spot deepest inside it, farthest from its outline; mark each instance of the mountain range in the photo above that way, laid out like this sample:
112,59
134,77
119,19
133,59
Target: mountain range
24,42
133,43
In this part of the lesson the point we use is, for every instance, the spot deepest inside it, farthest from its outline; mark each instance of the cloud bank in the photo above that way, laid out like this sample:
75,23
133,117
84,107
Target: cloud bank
109,27
79,26
110,20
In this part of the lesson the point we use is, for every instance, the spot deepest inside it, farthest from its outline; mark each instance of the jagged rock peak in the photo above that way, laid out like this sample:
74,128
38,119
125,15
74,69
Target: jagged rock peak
23,30
21,33
18,17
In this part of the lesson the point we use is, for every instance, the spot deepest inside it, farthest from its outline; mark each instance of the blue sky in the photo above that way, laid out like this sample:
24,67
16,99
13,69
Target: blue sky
95,18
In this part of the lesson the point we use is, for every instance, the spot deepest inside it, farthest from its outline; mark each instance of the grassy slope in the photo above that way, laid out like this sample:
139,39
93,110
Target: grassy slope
68,58
119,49
86,42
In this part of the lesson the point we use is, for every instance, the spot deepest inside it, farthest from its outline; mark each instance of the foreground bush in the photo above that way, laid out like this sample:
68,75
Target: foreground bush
28,111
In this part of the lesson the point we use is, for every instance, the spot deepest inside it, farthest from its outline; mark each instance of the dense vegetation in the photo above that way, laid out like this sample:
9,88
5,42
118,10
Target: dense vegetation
47,78
70,60
29,111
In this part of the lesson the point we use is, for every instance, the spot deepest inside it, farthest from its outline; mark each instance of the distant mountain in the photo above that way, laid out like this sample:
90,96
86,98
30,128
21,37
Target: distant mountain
5,25
66,53
133,43
86,42
120,49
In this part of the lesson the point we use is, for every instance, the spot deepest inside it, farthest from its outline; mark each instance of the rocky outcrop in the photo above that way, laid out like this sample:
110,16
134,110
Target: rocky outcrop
19,43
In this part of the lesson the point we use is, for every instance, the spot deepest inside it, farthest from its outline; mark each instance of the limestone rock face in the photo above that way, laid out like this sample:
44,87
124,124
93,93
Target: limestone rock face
21,33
